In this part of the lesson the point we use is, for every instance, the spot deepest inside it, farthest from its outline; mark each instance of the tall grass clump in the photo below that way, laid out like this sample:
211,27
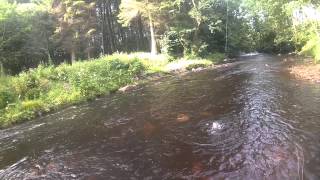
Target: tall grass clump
42,89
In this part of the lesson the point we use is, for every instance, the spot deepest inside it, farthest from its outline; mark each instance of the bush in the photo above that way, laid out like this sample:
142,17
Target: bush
196,66
7,96
202,50
26,85
172,45
46,88
216,57
312,48
62,94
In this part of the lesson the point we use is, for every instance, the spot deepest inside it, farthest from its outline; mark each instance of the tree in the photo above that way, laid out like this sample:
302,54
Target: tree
16,28
286,25
146,9
76,23
200,27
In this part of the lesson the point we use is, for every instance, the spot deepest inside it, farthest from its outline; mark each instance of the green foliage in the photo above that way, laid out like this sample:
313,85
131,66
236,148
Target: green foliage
285,26
7,96
54,32
42,89
76,24
216,57
312,48
45,88
172,45
202,50
199,28
32,105
24,30
130,9
196,66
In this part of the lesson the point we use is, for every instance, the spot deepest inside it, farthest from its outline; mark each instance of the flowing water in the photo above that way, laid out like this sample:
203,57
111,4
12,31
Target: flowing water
249,121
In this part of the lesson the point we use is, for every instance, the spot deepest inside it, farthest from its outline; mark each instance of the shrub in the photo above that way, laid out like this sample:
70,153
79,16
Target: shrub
216,57
202,50
7,96
312,48
172,45
62,94
196,66
27,85
136,67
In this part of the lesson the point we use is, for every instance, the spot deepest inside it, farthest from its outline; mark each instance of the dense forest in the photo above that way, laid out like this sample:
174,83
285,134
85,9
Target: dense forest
46,32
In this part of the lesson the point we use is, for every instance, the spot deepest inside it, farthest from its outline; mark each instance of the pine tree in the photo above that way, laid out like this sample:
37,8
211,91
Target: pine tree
76,23
146,9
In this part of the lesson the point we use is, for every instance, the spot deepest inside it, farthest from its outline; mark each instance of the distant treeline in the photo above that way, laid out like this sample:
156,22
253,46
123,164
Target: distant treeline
34,32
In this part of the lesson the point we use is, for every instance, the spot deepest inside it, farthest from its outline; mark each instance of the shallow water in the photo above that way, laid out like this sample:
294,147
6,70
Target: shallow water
249,121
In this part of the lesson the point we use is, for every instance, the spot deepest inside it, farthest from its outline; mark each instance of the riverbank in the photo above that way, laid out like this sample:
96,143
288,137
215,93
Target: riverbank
306,69
45,89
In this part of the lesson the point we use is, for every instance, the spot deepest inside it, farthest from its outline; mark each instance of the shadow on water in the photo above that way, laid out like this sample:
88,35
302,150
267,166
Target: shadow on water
251,121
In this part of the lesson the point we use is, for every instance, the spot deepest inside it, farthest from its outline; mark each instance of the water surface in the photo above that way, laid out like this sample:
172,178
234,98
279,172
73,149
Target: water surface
249,121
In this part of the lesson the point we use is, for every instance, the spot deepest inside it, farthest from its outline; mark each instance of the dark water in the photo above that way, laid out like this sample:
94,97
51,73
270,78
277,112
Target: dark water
251,121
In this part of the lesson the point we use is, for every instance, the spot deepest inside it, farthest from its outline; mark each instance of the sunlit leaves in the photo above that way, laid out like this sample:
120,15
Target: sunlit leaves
76,23
130,9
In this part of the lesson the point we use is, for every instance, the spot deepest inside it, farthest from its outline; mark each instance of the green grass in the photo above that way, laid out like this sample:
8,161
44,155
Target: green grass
44,89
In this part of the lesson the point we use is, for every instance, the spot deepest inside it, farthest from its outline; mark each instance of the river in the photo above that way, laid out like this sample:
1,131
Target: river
251,120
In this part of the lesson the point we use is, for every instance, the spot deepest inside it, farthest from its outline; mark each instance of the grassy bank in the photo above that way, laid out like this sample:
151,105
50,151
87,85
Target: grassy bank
44,89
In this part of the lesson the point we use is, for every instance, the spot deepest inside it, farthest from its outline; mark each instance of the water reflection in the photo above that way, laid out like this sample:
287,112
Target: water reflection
183,118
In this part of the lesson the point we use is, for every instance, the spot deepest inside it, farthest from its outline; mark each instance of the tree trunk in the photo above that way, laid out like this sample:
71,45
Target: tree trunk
1,70
73,55
153,37
124,40
107,49
196,34
227,31
89,54
110,26
140,29
103,32
50,61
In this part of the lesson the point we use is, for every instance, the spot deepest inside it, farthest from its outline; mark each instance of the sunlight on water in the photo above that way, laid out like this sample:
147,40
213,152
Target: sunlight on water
214,127
250,54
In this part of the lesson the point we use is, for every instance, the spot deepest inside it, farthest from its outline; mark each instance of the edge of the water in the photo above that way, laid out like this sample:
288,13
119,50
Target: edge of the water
128,88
